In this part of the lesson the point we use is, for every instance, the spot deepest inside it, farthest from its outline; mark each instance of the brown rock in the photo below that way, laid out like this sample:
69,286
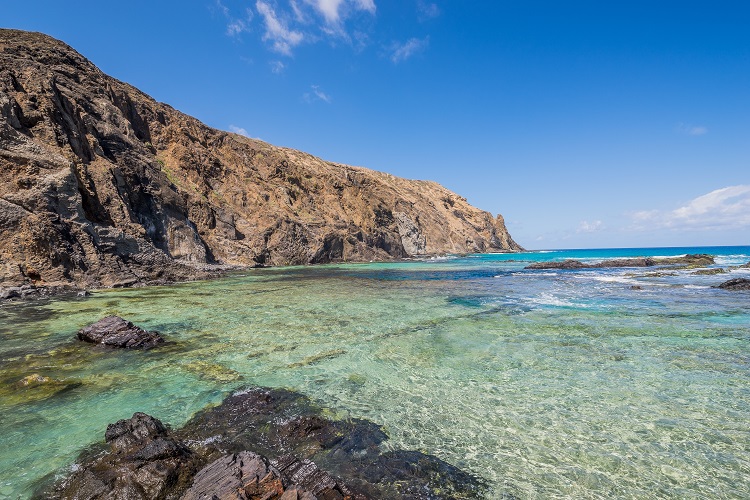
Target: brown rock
100,185
114,331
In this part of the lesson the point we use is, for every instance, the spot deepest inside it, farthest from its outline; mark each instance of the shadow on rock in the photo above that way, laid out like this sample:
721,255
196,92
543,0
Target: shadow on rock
222,453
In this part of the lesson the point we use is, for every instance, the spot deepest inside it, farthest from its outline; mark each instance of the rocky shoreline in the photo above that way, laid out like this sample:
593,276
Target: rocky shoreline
259,443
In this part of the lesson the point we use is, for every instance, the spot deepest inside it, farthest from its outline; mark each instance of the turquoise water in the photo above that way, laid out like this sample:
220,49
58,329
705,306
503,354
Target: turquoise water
548,384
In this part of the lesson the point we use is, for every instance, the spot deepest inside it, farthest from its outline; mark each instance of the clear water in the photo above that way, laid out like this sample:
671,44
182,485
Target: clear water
547,384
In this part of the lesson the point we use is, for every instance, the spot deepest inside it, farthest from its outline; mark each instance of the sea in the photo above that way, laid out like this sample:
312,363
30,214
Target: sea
590,383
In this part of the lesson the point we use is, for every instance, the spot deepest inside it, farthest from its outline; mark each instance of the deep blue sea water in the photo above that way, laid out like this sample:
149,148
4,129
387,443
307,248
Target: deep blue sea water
593,383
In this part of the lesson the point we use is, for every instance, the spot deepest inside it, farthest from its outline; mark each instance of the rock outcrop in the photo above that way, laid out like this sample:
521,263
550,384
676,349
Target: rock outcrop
735,284
691,260
113,331
100,185
222,453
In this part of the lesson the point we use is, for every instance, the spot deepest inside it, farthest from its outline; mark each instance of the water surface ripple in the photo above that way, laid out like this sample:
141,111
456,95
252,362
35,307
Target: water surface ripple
546,384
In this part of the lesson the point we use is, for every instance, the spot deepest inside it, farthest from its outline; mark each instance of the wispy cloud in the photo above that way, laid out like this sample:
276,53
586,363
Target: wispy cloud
277,67
427,10
402,51
238,130
235,25
725,208
687,129
333,11
316,94
282,38
590,227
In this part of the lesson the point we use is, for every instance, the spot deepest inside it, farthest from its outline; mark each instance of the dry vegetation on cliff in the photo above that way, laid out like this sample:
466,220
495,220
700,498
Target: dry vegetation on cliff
100,185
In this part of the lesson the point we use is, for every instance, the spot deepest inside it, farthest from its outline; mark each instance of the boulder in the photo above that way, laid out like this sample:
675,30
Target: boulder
116,332
735,284
143,462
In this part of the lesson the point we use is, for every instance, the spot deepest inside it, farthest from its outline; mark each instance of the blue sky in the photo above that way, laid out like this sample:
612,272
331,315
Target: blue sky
585,123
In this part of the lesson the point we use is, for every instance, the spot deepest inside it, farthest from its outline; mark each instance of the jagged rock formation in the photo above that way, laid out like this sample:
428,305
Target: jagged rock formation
221,453
113,331
100,185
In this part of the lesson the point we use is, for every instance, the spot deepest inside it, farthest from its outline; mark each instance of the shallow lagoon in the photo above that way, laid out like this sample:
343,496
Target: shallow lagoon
546,384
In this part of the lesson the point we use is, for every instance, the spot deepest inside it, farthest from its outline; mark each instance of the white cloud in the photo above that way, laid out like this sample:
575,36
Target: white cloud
333,11
317,95
277,67
235,25
238,130
403,51
283,38
692,129
725,208
590,227
427,10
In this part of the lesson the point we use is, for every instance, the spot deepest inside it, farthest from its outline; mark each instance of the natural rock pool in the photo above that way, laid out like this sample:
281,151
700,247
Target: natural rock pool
545,384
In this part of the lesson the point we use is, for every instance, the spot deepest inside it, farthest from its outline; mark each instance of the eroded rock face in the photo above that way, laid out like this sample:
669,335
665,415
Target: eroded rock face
114,331
100,185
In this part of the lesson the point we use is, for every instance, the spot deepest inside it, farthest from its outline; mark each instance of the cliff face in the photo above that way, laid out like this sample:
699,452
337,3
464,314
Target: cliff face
100,185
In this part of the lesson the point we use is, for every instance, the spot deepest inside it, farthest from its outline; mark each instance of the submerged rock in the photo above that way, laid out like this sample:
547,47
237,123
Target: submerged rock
312,457
350,449
116,332
709,272
690,260
735,284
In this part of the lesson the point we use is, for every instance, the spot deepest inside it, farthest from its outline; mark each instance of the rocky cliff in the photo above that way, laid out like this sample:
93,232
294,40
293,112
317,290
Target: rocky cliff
100,185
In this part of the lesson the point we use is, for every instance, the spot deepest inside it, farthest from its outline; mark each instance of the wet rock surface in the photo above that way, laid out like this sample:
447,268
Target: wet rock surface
223,452
114,331
691,260
735,284
348,449
143,462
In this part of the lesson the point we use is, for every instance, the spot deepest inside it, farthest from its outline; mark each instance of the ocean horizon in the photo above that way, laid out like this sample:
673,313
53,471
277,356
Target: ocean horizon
583,383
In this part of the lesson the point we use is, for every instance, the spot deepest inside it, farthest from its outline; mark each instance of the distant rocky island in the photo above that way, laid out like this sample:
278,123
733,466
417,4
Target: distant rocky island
102,186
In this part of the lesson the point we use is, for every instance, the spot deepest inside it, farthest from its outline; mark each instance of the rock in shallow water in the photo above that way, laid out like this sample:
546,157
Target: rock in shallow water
690,260
735,284
116,332
209,458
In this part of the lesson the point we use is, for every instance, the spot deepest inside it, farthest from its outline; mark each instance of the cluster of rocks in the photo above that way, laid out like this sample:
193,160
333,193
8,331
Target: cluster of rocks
210,457
685,262
691,260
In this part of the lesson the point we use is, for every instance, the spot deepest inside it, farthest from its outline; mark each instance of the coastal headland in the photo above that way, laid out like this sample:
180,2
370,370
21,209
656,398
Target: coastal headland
102,186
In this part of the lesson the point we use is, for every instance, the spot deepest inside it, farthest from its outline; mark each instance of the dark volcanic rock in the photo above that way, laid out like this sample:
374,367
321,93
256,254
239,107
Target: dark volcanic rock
350,449
735,284
692,260
143,462
116,332
315,458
